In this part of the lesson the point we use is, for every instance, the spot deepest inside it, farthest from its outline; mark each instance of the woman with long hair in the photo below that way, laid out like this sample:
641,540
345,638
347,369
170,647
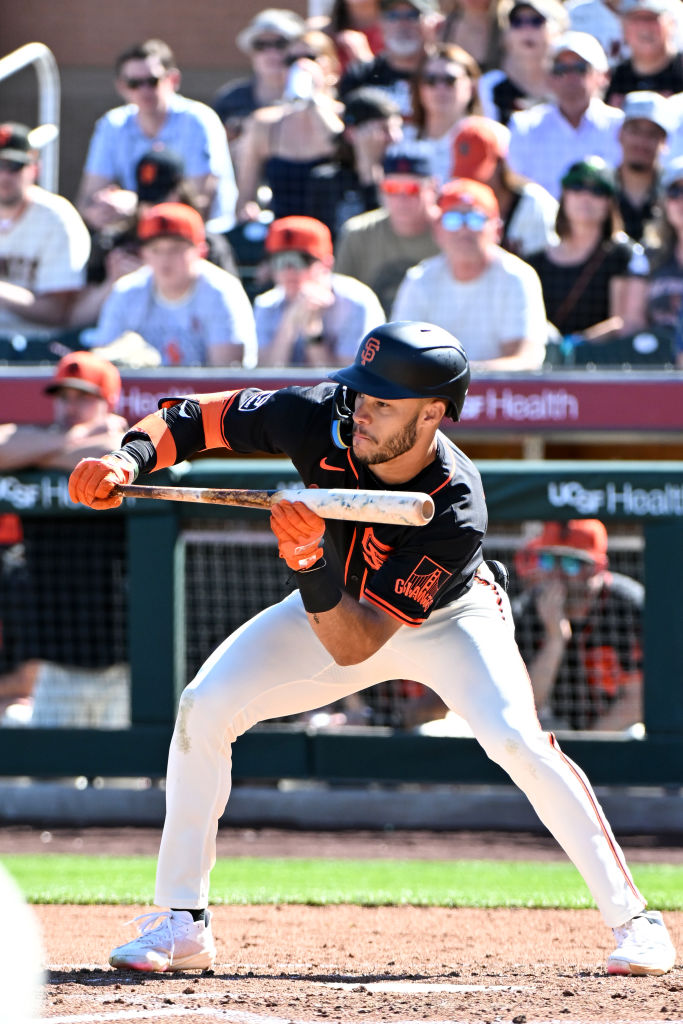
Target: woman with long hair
594,277
473,25
444,92
529,28
354,26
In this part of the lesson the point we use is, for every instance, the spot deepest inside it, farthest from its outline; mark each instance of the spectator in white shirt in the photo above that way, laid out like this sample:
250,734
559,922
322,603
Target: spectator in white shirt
492,297
154,115
548,138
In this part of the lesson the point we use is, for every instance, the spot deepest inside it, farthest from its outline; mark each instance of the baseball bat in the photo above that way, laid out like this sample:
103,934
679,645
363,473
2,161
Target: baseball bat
405,508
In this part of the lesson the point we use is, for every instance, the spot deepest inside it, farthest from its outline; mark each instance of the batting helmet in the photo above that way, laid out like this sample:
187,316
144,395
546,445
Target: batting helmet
407,359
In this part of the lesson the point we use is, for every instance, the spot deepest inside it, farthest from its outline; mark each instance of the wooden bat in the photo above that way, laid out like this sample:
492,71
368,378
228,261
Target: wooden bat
405,508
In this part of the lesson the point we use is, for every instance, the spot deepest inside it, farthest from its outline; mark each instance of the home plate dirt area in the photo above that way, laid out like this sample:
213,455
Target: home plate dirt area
381,964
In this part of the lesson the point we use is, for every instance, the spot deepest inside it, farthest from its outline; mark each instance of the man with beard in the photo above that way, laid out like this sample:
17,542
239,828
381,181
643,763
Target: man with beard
44,244
372,602
643,137
403,24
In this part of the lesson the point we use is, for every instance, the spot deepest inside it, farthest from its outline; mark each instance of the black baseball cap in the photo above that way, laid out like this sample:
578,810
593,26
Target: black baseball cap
14,143
157,173
368,103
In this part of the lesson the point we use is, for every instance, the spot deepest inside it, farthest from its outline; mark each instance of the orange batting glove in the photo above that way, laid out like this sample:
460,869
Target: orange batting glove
299,533
93,481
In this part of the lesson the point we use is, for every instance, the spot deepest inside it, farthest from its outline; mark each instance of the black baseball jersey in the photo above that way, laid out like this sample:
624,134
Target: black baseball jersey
405,570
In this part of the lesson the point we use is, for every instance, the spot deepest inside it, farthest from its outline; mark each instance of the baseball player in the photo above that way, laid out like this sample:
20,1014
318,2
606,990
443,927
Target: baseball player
373,602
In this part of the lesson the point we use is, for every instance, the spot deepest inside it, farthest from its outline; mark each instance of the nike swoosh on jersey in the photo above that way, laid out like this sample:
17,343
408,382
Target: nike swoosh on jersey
324,464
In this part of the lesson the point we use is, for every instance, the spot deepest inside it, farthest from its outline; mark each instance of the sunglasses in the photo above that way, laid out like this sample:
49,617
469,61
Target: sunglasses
151,81
568,564
294,57
453,220
291,260
673,191
411,15
12,166
400,188
527,21
259,45
444,79
580,67
593,188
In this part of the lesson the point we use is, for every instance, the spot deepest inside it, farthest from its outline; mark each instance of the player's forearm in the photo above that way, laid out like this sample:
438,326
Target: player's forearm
352,631
543,669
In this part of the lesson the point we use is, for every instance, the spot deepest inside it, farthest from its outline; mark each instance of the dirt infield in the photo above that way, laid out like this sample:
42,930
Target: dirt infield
386,964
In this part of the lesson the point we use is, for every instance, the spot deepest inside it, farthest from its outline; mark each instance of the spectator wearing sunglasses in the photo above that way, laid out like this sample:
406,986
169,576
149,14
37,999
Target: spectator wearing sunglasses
283,143
313,316
594,277
265,40
493,297
527,211
44,244
405,28
444,92
578,626
654,62
528,32
379,246
548,137
154,115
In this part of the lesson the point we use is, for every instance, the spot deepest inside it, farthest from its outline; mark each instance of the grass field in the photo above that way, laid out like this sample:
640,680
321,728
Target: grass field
57,878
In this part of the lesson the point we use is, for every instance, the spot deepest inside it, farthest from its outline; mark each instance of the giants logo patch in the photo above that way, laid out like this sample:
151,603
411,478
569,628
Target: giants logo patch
370,350
374,552
423,583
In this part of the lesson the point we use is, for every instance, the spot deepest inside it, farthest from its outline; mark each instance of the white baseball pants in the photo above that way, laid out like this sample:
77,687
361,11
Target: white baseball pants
274,665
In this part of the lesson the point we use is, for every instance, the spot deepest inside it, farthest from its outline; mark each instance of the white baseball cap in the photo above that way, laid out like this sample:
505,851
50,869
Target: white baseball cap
276,20
672,172
653,6
584,46
651,106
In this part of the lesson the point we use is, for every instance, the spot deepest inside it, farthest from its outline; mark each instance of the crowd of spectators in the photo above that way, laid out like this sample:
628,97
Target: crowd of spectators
507,169
511,170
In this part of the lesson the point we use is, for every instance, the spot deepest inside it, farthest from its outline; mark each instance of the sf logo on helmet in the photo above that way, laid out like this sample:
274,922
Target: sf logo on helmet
370,350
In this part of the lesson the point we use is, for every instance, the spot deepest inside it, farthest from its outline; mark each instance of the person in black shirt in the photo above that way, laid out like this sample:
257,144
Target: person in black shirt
579,629
643,137
403,27
374,601
594,278
655,64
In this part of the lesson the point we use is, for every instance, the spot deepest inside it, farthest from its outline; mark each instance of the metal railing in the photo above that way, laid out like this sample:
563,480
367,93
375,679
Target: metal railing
49,97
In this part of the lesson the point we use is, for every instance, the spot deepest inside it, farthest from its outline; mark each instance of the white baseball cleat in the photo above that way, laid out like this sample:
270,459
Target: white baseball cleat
175,943
643,946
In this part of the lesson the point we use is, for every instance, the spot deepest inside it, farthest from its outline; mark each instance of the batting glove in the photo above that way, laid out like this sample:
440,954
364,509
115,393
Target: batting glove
93,481
299,533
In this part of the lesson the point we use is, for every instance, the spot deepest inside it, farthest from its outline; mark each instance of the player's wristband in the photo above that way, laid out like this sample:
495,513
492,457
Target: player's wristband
318,588
123,455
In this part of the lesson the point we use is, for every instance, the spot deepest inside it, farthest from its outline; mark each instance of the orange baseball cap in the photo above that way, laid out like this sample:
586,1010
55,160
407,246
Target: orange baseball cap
478,146
467,192
584,538
300,234
87,372
172,220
